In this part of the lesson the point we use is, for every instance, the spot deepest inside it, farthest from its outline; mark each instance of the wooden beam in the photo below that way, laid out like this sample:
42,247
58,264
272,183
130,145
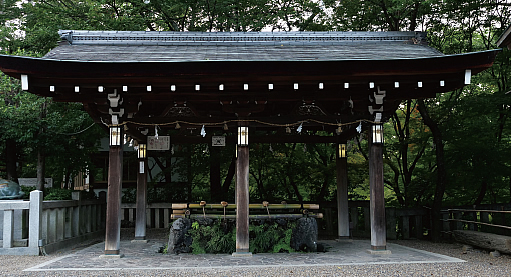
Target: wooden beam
377,197
113,208
242,200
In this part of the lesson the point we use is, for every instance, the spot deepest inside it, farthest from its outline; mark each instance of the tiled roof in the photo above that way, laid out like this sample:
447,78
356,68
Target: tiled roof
117,46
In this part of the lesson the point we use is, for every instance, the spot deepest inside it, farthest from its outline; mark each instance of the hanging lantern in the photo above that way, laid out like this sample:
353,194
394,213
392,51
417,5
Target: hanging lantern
243,136
377,133
142,151
115,136
342,150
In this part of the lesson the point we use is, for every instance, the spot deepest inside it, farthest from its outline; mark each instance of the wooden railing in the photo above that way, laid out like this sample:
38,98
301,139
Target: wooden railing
485,218
401,223
34,226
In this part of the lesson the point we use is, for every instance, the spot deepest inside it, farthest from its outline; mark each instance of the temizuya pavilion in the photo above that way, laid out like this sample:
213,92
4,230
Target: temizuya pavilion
333,81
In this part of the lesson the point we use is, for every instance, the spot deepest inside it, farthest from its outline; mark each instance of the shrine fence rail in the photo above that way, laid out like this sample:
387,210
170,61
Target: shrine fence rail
34,227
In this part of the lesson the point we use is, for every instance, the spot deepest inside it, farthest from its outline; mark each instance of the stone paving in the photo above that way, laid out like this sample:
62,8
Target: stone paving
140,256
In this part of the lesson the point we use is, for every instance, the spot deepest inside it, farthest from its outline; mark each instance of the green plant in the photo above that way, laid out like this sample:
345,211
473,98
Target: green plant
271,237
284,243
220,237
129,195
27,190
57,194
212,239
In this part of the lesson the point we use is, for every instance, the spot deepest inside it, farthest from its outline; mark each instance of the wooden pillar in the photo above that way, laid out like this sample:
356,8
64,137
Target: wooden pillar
113,207
343,217
140,224
242,200
377,199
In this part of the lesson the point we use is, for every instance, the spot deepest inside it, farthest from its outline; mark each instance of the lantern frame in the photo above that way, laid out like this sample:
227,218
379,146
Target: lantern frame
116,135
243,136
377,133
142,151
342,152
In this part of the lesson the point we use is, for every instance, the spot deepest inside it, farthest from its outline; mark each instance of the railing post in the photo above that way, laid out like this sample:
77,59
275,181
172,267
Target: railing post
391,223
8,228
406,227
446,226
75,221
473,226
485,218
367,221
418,227
102,218
354,219
35,218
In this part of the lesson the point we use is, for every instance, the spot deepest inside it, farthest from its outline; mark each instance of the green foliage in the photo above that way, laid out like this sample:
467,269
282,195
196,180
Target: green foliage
58,194
220,237
271,237
212,239
27,190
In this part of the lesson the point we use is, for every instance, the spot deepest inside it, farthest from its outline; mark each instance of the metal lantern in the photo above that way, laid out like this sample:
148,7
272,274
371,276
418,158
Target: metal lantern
243,136
115,136
142,151
377,132
342,150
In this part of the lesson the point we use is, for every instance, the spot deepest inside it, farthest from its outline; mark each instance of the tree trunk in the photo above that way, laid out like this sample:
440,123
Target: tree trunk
11,160
482,193
41,167
214,174
441,171
230,175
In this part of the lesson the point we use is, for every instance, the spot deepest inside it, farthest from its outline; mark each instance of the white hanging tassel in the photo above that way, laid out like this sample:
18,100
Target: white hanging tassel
299,129
305,148
172,149
271,149
156,131
203,131
359,128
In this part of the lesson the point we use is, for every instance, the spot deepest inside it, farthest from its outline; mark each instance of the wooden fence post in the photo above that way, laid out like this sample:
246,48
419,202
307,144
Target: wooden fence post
406,227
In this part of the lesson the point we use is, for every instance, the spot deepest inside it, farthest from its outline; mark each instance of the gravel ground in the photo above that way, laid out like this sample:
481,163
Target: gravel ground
479,263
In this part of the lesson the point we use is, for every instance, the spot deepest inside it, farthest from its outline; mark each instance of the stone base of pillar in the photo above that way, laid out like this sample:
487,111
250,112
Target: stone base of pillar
242,254
111,256
379,252
139,240
343,238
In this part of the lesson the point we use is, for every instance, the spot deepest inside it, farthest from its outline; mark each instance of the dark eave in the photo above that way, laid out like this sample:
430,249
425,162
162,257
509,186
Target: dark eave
275,80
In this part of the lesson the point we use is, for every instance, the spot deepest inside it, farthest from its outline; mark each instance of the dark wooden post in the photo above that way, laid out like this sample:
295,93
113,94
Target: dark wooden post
242,201
140,224
377,199
113,207
343,217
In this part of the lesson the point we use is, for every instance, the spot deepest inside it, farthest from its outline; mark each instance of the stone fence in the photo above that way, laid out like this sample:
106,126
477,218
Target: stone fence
36,226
